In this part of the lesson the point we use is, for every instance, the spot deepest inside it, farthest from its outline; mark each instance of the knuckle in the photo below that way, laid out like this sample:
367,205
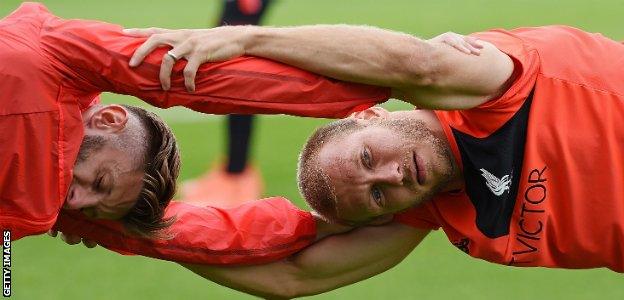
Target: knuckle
155,38
151,40
194,41
166,59
189,72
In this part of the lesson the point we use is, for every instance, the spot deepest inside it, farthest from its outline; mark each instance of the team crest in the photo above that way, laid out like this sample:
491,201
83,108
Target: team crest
497,186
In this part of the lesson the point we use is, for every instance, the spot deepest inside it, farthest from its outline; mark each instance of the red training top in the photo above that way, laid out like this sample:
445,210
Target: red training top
544,163
53,69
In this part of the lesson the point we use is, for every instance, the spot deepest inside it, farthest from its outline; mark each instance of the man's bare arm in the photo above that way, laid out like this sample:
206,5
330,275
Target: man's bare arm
429,74
331,263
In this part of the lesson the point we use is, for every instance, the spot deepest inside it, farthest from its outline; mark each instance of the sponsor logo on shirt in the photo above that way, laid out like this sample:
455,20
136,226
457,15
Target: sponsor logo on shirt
531,222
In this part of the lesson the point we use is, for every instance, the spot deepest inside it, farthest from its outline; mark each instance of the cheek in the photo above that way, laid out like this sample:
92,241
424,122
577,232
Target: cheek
89,212
84,170
402,198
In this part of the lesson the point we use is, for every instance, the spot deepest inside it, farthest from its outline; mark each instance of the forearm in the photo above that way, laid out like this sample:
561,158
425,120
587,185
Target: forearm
352,53
285,279
326,265
429,74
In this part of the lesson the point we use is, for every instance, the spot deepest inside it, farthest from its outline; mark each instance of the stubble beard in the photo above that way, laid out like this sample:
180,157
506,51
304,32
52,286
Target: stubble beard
411,130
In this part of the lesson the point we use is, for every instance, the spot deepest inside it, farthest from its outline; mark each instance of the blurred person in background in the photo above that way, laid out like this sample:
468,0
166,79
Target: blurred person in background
235,181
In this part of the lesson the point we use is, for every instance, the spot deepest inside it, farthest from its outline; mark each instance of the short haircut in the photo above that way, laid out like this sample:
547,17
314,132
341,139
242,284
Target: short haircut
314,184
161,169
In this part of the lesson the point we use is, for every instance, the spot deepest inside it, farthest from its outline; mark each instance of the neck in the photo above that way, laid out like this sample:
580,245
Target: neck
456,182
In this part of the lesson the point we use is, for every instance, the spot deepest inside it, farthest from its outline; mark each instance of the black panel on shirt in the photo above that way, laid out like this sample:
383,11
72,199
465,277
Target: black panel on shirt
497,157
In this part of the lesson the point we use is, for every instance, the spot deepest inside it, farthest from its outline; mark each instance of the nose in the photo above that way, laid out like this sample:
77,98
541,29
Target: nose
390,173
78,198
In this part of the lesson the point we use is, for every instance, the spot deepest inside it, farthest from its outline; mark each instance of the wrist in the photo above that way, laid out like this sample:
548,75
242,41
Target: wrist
251,38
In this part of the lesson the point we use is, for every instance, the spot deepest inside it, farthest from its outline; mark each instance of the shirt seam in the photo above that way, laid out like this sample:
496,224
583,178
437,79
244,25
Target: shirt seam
581,85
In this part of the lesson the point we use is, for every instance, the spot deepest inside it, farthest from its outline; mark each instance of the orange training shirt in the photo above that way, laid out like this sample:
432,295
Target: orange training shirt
543,164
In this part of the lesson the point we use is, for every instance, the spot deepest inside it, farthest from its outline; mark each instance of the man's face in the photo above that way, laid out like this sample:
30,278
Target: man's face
106,179
391,164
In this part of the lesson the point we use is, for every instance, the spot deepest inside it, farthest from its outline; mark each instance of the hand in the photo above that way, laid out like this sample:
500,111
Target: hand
197,46
72,239
463,43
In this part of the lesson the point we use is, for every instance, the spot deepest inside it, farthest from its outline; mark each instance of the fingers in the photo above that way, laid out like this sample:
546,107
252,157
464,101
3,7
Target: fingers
473,45
166,66
461,47
70,239
165,71
144,32
89,243
147,47
465,45
474,42
189,73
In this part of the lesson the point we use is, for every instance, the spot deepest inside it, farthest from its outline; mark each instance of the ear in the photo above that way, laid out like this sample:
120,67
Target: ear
374,112
110,119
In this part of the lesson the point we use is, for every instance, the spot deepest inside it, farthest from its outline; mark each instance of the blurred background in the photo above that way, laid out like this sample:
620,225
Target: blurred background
46,268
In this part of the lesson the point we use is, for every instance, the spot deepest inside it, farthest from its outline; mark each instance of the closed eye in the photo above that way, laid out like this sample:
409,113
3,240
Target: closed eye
97,185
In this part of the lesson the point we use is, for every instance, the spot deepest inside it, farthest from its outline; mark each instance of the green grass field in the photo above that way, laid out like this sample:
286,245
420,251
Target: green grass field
45,268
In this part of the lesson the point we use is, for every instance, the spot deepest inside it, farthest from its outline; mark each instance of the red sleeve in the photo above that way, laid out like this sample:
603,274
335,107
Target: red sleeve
95,56
255,232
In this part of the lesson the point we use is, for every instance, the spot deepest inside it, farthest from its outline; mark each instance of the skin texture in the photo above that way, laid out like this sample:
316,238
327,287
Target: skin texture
333,262
395,162
107,178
